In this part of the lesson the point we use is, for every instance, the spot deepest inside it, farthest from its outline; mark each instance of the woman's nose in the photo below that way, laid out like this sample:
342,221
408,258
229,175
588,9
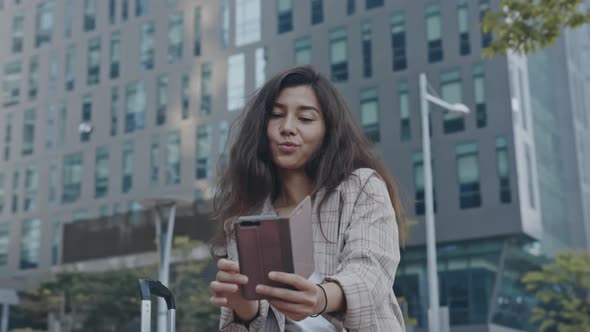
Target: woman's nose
288,126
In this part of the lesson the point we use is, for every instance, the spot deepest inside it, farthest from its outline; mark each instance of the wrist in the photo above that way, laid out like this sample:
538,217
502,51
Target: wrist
247,312
322,301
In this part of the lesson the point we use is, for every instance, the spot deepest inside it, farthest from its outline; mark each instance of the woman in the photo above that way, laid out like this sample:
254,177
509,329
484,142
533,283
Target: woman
298,138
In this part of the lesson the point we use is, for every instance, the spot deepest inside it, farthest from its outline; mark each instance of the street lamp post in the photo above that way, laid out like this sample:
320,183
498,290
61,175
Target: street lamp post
164,238
425,97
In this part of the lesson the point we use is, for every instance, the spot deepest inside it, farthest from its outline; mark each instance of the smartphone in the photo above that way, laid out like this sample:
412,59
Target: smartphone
268,243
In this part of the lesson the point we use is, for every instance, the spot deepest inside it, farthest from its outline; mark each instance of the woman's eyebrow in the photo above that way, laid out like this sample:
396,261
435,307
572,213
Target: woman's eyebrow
299,108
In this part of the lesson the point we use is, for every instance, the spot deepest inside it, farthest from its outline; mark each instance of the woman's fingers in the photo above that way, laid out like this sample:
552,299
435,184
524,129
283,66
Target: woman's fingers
223,288
292,279
230,277
218,301
227,265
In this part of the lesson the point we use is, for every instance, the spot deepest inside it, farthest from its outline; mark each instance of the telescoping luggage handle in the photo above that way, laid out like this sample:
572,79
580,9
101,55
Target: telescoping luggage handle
147,287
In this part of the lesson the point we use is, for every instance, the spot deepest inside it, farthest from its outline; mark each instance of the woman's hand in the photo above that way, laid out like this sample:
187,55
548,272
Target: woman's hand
226,290
298,304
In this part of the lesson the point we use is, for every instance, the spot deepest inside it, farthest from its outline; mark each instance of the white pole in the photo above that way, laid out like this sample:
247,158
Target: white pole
5,317
165,245
433,317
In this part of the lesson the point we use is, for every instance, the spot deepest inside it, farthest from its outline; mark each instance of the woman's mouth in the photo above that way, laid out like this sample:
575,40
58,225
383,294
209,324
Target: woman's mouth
288,147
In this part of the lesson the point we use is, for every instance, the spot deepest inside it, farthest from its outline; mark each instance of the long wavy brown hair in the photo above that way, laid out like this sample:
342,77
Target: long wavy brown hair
250,176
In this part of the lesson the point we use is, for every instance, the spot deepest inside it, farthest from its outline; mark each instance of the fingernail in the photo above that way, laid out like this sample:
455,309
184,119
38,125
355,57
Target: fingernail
272,274
244,279
260,288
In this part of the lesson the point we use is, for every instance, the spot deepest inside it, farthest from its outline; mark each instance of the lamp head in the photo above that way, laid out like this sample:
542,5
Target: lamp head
460,108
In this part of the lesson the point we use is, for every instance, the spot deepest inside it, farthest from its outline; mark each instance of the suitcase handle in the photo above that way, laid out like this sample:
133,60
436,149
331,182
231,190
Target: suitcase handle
147,287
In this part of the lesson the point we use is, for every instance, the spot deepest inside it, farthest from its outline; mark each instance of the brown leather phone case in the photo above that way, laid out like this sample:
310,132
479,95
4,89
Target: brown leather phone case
272,243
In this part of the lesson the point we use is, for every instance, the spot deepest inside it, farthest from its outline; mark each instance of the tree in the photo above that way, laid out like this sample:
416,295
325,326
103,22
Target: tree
190,288
526,25
562,291
106,301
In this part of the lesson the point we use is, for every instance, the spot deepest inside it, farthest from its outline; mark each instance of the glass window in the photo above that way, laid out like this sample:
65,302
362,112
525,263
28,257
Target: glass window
51,127
366,46
30,244
53,182
112,11
33,77
15,191
398,41
463,22
260,66
284,15
185,95
503,170
486,38
452,91
115,55
11,83
404,111
56,230
155,160
141,7
338,55
124,9
93,60
370,114
369,4
468,175
70,67
236,81
7,136
135,105
101,173
175,37
303,51
72,178
4,244
206,89
419,192
86,118
89,15
350,7
529,169
434,33
162,99
31,188
223,135
147,55
317,11
247,21
114,110
2,192
224,26
173,174
480,97
197,32
203,167
127,180
69,17
52,84
44,23
28,144
18,33
62,124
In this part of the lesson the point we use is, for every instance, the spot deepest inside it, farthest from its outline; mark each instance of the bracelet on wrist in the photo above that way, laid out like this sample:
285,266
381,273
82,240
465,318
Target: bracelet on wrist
325,301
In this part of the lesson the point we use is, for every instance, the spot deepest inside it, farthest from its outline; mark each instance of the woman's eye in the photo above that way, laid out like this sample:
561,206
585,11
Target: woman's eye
306,119
275,115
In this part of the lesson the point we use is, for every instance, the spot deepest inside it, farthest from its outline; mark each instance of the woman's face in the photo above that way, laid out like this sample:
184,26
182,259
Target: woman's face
296,128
